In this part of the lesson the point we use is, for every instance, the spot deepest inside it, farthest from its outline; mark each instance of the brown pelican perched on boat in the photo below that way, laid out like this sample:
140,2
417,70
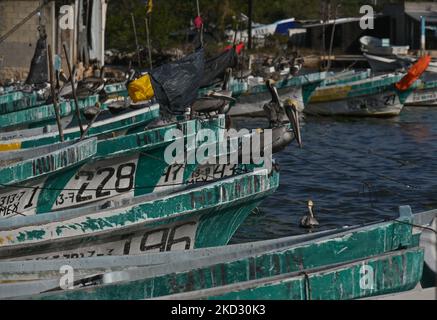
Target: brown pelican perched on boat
92,112
86,87
213,103
279,114
309,220
216,102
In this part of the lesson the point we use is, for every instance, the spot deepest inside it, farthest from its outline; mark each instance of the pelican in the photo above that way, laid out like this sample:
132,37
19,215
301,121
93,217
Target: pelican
84,88
309,221
279,114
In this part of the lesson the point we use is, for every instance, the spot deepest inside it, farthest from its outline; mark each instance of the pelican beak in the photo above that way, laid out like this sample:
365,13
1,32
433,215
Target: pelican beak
270,83
293,116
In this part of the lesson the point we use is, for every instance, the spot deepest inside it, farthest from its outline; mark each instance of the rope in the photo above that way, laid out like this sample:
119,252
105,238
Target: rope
21,23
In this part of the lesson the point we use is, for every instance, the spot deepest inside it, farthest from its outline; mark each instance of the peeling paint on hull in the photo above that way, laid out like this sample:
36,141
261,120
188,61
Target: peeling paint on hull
215,204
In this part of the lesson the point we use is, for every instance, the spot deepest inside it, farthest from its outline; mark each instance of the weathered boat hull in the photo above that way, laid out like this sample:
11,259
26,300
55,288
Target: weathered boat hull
199,217
372,97
19,166
343,282
42,115
250,102
127,122
422,98
344,77
261,264
385,104
120,168
428,241
16,101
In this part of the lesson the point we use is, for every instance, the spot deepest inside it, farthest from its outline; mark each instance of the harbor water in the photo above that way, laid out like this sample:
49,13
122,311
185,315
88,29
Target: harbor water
355,170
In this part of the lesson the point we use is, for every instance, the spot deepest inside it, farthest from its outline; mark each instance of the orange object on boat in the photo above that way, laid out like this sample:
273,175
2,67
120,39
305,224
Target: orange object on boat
238,48
414,73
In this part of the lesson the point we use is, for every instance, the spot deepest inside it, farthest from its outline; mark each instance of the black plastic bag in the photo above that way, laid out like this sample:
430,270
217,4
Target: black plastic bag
216,67
176,84
38,73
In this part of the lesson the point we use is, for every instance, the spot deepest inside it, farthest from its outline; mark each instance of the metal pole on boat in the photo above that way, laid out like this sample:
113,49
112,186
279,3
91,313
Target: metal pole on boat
136,39
54,97
201,28
331,44
72,81
149,47
422,35
323,17
250,13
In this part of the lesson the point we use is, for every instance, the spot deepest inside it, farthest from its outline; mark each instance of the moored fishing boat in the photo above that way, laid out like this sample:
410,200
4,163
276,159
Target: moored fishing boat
380,96
203,216
426,223
18,100
22,166
251,98
376,46
331,282
425,93
44,114
376,96
254,270
119,167
344,77
104,125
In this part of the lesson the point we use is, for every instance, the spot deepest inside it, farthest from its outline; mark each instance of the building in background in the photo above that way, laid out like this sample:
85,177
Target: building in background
405,20
78,23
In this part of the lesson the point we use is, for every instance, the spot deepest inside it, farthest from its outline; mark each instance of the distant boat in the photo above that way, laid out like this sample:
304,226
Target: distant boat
394,63
373,97
382,47
386,64
425,93
260,31
252,93
19,100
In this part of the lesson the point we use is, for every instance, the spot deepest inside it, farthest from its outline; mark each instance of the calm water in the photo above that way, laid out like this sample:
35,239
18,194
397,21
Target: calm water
355,170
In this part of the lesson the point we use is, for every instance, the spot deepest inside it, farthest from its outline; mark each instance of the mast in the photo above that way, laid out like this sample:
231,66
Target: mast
250,13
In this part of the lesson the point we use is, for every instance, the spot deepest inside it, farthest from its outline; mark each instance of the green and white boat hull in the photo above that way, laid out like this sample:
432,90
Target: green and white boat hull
202,216
251,101
126,122
16,101
43,115
373,97
377,105
330,266
118,168
393,272
424,95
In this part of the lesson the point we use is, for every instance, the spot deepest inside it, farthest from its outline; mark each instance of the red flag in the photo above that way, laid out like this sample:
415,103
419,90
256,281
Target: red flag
238,48
198,22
